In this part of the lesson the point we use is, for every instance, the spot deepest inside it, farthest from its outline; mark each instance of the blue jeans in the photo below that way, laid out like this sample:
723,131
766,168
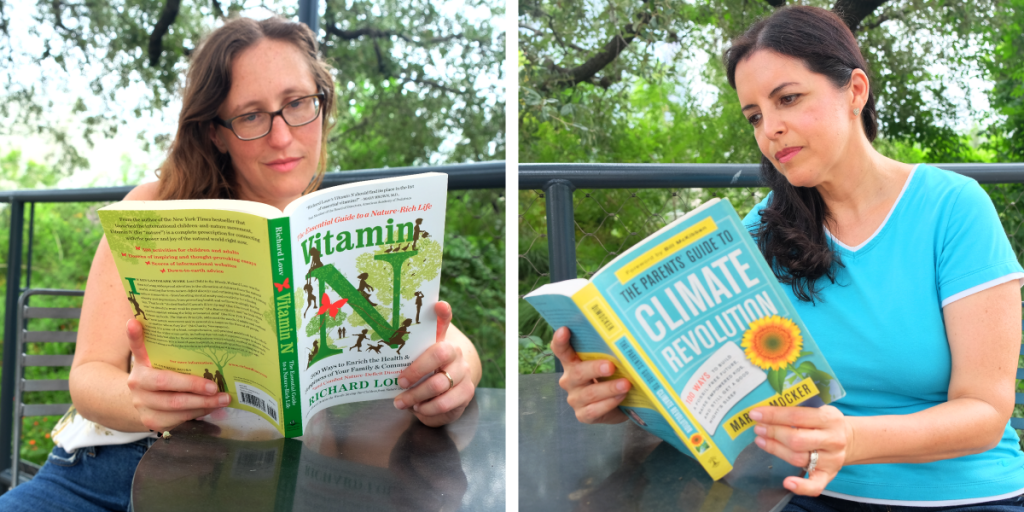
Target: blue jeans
830,504
95,479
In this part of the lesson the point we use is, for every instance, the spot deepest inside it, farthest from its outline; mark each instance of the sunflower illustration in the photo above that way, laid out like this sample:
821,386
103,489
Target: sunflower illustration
772,342
696,439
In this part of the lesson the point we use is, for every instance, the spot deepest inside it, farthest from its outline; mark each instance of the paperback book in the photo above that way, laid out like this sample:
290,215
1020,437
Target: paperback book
698,323
288,312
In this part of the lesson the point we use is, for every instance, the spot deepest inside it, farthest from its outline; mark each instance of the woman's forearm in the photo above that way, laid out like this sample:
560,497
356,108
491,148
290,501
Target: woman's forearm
100,394
962,426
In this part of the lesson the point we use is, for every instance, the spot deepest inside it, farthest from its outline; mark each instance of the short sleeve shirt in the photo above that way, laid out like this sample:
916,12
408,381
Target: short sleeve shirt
880,326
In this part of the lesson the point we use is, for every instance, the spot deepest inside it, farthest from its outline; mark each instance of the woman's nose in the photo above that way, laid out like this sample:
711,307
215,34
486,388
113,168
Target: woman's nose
280,133
773,126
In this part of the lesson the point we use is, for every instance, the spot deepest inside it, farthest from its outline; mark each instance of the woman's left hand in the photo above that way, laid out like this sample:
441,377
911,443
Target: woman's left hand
791,433
437,400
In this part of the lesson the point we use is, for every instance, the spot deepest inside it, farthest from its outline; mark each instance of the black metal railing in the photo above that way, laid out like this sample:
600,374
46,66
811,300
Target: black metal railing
482,175
563,231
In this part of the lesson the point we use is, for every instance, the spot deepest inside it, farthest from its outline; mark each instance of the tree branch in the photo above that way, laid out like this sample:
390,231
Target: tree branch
380,60
376,33
527,27
884,17
217,11
56,6
433,84
558,39
156,40
854,11
609,52
3,19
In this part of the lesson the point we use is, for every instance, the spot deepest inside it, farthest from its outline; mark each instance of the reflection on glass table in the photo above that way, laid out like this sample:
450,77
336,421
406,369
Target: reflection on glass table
366,456
565,465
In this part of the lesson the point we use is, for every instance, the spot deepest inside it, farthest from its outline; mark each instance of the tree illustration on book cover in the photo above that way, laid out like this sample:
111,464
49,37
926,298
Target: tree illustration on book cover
774,343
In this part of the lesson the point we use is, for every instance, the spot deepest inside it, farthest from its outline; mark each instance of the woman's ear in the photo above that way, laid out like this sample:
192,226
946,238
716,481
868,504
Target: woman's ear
217,141
860,87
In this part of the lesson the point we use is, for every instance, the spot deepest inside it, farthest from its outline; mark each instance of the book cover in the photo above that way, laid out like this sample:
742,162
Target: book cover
696,320
288,312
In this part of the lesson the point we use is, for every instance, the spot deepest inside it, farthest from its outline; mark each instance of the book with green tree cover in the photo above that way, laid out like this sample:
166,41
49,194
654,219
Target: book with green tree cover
288,312
695,319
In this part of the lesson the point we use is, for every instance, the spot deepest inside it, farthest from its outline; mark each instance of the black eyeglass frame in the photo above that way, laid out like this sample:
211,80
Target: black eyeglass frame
280,112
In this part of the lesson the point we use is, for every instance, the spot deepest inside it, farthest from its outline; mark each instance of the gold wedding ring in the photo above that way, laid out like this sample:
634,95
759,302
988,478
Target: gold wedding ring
451,382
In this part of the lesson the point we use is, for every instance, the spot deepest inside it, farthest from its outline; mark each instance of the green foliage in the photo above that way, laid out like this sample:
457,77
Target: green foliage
665,99
1006,70
473,275
535,356
65,239
407,74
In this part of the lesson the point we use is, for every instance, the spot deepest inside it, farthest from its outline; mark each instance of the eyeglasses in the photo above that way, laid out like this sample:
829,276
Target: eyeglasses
298,112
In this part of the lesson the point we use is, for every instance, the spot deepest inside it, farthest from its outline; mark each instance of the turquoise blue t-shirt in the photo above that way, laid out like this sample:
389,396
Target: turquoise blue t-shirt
881,328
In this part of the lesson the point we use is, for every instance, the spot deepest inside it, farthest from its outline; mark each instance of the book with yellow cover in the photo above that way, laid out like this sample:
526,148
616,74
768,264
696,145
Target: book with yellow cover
289,312
696,320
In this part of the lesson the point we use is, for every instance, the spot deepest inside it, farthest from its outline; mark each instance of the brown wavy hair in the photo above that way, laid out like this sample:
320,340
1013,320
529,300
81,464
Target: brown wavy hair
195,168
791,233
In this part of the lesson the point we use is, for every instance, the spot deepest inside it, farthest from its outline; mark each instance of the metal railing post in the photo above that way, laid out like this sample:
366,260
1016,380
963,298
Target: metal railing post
561,230
309,13
561,233
31,236
11,330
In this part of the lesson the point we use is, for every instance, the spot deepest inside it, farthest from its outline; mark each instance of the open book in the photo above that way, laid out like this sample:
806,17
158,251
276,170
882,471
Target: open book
695,319
289,312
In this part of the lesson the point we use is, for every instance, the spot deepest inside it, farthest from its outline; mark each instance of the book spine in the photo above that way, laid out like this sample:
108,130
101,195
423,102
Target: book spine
643,372
287,333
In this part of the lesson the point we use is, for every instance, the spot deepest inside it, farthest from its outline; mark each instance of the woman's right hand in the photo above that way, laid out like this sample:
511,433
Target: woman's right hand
594,401
166,399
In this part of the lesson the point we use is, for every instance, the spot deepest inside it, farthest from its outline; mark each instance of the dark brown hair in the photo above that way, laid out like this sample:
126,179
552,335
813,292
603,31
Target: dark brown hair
194,168
791,233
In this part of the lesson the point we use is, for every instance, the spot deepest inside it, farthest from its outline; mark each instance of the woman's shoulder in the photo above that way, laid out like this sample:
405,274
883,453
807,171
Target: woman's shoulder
941,181
144,192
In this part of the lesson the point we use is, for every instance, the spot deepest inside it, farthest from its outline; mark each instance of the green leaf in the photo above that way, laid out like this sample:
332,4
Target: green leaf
776,379
805,367
822,381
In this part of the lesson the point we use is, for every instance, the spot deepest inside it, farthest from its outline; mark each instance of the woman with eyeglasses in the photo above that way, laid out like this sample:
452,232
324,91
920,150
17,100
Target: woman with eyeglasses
257,107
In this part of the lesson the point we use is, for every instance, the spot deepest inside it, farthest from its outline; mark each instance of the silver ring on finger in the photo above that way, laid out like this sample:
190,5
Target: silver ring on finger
812,463
451,382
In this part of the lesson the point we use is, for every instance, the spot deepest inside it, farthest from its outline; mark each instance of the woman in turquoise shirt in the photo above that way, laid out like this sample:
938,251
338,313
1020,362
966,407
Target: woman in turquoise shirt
902,273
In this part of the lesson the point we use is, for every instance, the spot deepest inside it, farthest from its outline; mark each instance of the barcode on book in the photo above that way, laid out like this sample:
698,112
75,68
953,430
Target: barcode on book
256,398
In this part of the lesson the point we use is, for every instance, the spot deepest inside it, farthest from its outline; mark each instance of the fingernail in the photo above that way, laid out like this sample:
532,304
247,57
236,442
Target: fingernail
211,388
756,415
760,430
622,385
399,404
416,407
789,484
760,441
403,382
606,369
224,399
